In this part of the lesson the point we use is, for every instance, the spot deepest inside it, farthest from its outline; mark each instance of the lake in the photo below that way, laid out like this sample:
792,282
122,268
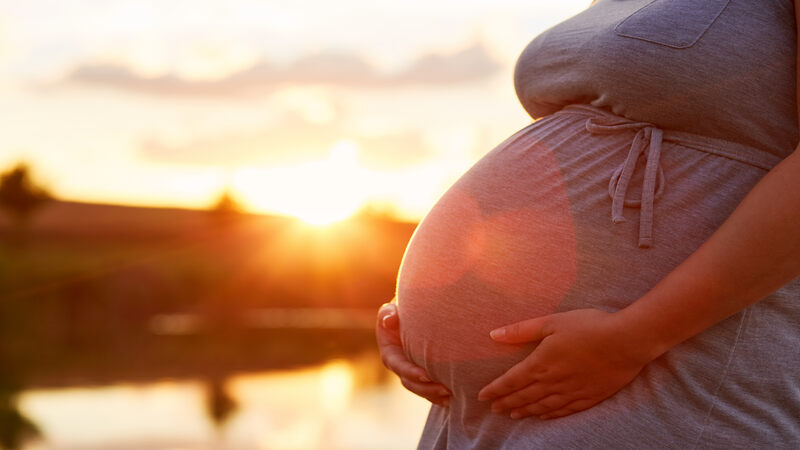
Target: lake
342,404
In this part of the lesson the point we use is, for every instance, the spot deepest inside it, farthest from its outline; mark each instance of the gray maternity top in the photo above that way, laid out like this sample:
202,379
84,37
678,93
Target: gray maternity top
655,119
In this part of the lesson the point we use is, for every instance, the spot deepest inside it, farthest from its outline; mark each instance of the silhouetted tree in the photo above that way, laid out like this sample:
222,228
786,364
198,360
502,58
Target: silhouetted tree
20,198
226,207
375,210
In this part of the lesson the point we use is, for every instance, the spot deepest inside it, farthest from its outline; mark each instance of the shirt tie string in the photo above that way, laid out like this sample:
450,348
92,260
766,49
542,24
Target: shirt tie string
647,140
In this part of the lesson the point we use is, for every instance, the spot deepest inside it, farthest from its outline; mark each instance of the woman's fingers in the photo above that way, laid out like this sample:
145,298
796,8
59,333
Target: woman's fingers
572,408
387,316
553,402
528,395
433,392
387,336
395,360
413,377
529,330
581,351
516,378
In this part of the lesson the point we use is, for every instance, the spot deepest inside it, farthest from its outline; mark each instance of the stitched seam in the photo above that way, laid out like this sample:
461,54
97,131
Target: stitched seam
711,24
653,40
722,378
616,28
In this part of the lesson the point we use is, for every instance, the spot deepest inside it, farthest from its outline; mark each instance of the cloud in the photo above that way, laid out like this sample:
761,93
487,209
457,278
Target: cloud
292,140
331,68
467,65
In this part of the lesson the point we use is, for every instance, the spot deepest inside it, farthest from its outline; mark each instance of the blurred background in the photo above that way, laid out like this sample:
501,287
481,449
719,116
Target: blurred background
203,203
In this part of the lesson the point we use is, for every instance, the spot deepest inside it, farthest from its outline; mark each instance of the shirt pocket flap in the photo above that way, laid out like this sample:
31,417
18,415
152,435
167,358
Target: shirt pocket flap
673,23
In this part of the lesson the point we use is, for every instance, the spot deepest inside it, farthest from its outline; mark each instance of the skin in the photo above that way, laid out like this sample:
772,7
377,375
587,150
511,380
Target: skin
413,377
585,356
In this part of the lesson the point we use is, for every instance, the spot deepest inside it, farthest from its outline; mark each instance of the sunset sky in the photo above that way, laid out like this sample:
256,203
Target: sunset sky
307,108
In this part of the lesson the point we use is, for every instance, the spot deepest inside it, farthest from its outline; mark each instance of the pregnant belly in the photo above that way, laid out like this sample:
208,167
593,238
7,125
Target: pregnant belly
498,247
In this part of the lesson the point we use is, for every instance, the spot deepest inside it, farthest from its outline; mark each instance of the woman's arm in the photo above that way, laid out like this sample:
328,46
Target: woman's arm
586,356
755,252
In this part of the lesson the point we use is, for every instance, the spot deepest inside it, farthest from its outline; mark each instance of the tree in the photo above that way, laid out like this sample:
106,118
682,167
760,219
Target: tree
19,196
377,210
225,208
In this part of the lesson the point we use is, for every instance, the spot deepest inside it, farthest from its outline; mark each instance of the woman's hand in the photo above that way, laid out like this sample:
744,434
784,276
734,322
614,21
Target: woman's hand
413,377
584,357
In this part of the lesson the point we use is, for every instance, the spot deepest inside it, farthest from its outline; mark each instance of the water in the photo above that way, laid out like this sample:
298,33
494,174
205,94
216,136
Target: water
343,404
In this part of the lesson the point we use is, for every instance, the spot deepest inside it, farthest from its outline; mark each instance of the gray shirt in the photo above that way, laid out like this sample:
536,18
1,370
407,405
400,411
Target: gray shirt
718,68
703,90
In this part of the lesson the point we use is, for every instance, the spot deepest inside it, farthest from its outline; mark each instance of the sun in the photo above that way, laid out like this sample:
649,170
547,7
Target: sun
318,193
322,215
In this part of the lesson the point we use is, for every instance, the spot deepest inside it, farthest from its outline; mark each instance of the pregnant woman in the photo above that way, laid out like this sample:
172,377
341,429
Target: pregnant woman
635,250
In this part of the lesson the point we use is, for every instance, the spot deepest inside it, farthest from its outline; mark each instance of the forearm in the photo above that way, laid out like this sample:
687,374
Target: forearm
753,253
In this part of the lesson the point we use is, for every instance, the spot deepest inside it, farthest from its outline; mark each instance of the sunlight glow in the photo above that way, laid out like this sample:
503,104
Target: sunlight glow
318,193
337,386
310,103
128,412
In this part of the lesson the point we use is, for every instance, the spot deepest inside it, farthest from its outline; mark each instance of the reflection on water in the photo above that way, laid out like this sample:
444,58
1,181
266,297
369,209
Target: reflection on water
348,404
219,402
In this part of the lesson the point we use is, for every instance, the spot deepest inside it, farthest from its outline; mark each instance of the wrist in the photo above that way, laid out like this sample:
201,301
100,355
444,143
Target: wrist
686,302
646,341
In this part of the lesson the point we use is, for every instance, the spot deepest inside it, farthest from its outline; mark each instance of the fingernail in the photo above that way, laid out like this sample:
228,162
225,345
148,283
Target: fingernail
516,414
446,402
443,392
424,379
498,333
385,319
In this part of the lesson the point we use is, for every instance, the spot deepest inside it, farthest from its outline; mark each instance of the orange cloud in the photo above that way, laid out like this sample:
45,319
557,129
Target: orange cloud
332,68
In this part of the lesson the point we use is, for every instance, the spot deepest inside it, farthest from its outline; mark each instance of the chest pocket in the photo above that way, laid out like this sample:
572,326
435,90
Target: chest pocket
674,23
